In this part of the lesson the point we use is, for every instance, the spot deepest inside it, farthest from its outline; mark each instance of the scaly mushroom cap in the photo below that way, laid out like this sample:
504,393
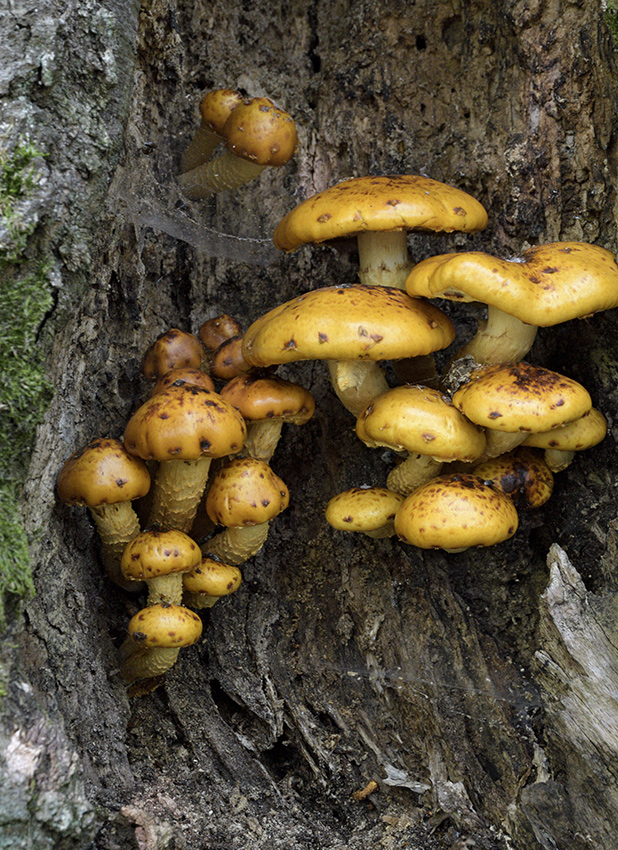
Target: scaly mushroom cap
213,332
521,397
455,512
173,349
102,473
363,509
180,377
347,323
163,626
217,106
259,131
246,492
227,361
258,397
395,202
421,420
159,552
547,285
212,578
522,475
185,423
583,433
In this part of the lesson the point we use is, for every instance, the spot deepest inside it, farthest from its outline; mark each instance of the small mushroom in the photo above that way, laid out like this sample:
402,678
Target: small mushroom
522,475
369,510
213,332
155,636
159,556
174,349
227,361
561,444
209,582
215,109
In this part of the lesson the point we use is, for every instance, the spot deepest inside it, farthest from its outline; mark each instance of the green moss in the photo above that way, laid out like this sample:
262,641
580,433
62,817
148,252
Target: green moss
25,299
611,18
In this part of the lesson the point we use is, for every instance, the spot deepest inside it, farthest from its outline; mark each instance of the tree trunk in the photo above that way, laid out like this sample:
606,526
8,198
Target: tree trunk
476,689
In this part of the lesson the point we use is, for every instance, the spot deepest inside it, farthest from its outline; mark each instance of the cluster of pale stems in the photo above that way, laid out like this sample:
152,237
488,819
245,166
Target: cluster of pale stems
474,444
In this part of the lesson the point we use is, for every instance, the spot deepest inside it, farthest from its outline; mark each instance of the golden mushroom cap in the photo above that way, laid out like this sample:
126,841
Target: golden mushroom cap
260,397
421,420
547,285
394,202
363,509
217,106
351,322
102,473
163,626
246,492
520,397
455,512
261,132
212,578
583,433
522,475
185,423
174,349
159,552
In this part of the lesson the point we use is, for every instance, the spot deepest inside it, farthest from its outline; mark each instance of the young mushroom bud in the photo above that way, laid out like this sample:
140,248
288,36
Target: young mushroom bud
209,582
174,349
214,332
215,108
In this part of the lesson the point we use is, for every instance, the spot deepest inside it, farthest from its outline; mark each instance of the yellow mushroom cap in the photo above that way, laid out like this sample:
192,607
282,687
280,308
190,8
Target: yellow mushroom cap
174,349
363,509
394,202
522,475
212,578
258,397
347,323
261,132
164,626
521,397
455,512
159,552
246,492
421,420
102,473
547,285
185,423
216,107
583,433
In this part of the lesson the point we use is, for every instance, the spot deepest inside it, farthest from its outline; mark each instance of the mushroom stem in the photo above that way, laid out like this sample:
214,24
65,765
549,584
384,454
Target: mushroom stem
558,459
501,442
237,544
227,171
415,470
166,589
357,382
500,339
387,530
200,149
262,438
140,663
177,491
384,258
117,524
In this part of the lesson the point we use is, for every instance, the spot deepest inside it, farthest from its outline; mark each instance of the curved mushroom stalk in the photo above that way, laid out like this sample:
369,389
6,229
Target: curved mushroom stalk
415,470
117,525
357,382
262,438
148,663
558,459
224,172
200,149
235,545
500,339
501,442
177,491
383,258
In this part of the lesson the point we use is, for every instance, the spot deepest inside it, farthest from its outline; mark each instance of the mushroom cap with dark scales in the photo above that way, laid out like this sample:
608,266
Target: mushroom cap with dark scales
351,322
522,475
455,512
212,578
581,434
547,285
520,397
246,492
178,377
174,349
185,423
159,552
363,509
259,397
102,473
261,132
421,420
163,626
394,202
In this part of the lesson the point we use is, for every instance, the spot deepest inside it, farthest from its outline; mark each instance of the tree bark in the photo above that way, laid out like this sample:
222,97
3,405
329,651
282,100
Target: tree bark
474,688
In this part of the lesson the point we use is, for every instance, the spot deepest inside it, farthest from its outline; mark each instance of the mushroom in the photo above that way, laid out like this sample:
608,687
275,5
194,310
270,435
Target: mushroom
227,361
561,444
215,109
454,512
245,495
257,134
546,285
425,423
154,638
522,475
182,377
369,510
159,556
352,327
213,332
379,212
106,478
517,399
208,582
174,349
266,402
183,428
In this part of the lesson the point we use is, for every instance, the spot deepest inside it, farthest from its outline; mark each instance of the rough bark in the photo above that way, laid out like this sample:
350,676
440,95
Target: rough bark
460,683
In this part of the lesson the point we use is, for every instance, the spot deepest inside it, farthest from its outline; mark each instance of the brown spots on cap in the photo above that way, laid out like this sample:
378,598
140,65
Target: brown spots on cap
322,337
392,203
494,415
550,270
459,211
289,345
324,218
